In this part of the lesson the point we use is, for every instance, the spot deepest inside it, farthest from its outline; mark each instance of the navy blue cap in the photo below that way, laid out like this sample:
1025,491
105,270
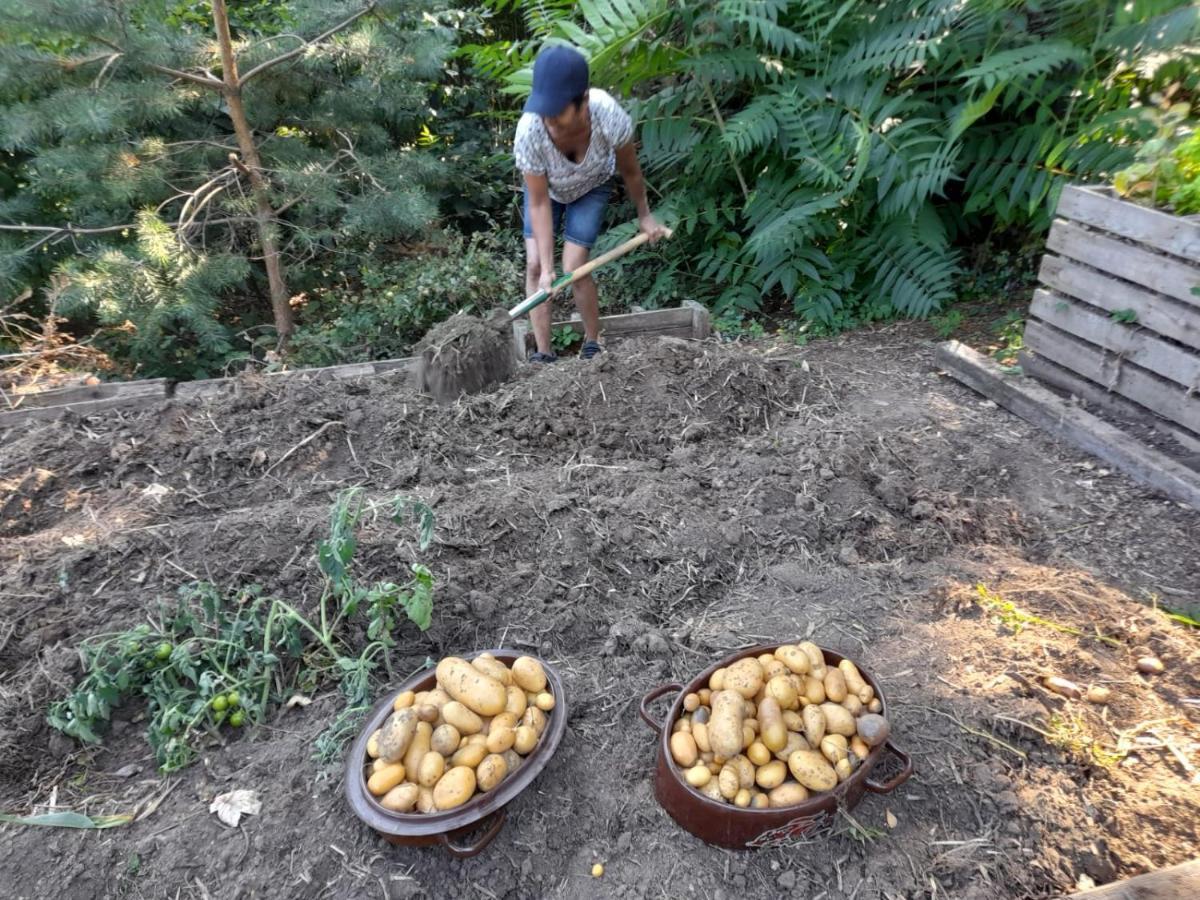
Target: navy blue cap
560,74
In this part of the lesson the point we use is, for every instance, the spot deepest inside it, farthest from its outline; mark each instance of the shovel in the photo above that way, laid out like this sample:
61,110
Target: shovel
567,278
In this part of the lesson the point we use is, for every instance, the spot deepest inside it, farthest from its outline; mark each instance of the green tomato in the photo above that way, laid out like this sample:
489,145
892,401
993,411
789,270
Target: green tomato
163,650
233,699
237,719
219,703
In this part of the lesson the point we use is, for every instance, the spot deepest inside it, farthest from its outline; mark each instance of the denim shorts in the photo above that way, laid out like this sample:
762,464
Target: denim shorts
584,217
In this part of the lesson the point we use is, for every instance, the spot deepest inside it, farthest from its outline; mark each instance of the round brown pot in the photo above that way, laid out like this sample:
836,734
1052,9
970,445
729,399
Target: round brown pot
751,829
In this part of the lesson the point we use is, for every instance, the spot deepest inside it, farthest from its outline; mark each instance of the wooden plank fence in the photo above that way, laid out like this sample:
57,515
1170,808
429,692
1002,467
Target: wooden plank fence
1116,321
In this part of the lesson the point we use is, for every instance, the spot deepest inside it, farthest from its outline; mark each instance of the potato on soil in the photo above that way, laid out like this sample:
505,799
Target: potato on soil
491,772
512,759
430,770
745,677
454,788
535,719
814,724
683,749
873,729
774,733
712,790
470,755
816,658
760,801
396,734
516,700
700,736
725,727
529,675
446,739
814,689
783,691
402,798
772,775
795,742
834,747
525,739
373,743
859,747
493,668
788,794
812,770
837,719
835,685
759,754
728,781
403,700
425,800
386,778
544,701
698,776
480,693
462,718
742,798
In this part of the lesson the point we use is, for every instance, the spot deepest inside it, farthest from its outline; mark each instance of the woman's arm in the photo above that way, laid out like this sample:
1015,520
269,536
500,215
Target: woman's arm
635,184
541,221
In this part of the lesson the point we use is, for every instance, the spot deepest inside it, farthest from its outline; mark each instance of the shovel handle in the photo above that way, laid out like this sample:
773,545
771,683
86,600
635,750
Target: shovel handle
536,299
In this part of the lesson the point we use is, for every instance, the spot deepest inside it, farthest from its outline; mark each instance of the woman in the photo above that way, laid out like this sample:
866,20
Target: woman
570,141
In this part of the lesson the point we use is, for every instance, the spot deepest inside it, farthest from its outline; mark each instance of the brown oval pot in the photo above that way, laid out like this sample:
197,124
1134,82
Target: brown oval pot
483,816
752,829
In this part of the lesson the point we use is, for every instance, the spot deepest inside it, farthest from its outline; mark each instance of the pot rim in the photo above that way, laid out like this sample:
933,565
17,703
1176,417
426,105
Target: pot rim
367,808
814,803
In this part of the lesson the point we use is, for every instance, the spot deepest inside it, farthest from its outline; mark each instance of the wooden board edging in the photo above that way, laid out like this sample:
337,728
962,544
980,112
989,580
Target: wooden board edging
1100,208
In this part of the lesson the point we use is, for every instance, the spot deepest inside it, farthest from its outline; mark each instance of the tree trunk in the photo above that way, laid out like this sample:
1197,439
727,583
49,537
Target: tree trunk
263,213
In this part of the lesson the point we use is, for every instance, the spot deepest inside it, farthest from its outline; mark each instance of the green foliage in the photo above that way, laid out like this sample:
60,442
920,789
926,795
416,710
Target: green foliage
1167,170
380,310
834,155
564,338
1125,316
216,658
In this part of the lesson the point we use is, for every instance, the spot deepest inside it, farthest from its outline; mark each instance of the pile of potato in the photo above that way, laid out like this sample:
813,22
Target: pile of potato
439,747
771,730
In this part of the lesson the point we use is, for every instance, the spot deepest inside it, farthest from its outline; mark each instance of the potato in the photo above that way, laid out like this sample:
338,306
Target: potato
875,706
773,668
379,765
705,695
425,800
795,742
512,759
748,735
873,728
493,668
700,736
794,658
814,724
745,770
454,788
445,739
421,743
437,697
402,798
431,769
503,733
812,770
837,719
491,772
834,748
715,766
716,681
386,779
403,700
725,727
691,702
419,697
535,719
774,733
470,755
835,685
792,720
698,776
789,794
528,673
475,739
728,781
428,713
462,718
684,724
712,790
751,720
814,689
525,739
683,749
760,801
516,702
745,677
759,754
480,693
816,658
843,768
771,775
700,716
764,658
544,701
867,694
783,691
859,747
373,743
396,734
742,798
853,705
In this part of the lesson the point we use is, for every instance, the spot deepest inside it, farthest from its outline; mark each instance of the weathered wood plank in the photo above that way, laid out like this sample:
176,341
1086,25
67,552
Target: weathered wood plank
1038,405
1163,397
84,408
1097,397
1156,312
1164,274
1101,208
83,392
1173,883
1135,344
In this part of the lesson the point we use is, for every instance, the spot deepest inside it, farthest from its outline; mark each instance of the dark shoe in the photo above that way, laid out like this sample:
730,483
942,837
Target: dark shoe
590,349
539,357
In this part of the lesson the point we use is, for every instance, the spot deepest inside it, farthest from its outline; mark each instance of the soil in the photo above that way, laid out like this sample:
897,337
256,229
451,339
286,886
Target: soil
630,519
463,355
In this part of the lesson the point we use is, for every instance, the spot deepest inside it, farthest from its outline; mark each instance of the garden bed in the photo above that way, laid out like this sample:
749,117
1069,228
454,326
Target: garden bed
631,520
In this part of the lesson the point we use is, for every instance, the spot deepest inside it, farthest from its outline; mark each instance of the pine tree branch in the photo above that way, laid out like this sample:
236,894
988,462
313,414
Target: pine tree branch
292,54
206,80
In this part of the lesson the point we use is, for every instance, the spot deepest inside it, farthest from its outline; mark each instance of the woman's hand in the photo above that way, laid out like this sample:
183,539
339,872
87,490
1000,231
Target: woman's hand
650,226
546,281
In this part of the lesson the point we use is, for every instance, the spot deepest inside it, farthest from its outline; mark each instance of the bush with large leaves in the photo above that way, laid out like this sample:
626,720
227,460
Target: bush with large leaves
835,153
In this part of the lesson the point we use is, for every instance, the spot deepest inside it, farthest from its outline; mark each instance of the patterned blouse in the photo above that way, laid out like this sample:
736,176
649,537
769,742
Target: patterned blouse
536,154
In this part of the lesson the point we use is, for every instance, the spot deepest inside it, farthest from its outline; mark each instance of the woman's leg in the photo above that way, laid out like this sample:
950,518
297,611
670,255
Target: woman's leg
539,316
583,220
587,298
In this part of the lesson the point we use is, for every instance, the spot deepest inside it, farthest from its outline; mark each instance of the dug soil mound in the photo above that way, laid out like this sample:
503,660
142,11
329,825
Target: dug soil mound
631,520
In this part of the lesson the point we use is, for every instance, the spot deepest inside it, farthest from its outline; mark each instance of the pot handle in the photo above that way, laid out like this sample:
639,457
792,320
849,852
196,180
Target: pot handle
896,780
659,691
464,851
